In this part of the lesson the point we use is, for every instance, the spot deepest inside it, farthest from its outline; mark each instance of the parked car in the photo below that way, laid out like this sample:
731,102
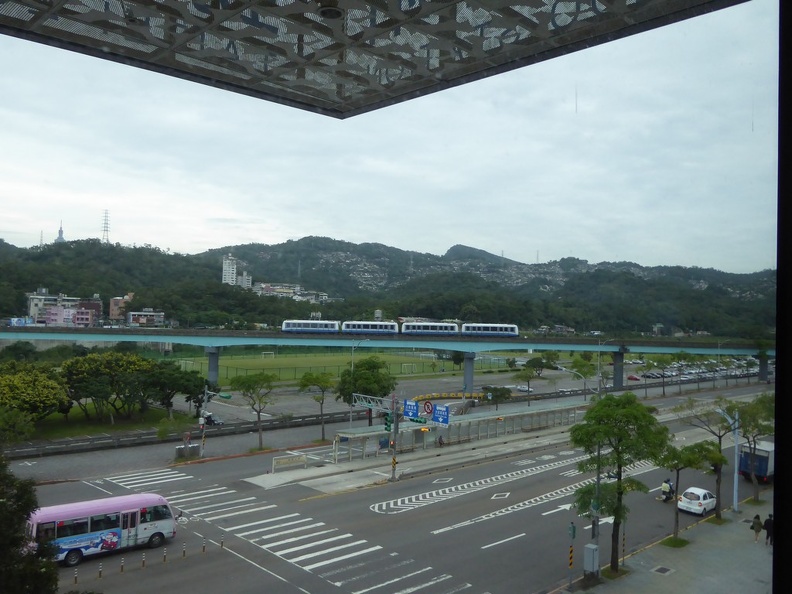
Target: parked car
634,378
524,389
696,501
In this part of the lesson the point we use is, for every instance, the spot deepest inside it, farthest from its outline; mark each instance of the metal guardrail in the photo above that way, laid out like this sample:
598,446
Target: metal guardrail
36,449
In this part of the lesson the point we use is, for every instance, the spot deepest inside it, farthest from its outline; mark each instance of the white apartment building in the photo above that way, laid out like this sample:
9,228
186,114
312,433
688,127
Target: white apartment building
229,270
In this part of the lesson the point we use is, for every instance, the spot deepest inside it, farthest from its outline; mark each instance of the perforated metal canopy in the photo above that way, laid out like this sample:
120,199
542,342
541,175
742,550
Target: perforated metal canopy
336,57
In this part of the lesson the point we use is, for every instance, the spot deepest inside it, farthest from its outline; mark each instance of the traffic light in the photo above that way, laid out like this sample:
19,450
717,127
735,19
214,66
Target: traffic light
388,420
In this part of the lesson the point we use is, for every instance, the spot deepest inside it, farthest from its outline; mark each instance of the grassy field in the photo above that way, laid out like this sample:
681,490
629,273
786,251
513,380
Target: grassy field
290,368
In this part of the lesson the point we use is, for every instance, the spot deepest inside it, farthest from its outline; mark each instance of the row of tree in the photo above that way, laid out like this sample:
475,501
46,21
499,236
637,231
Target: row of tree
618,431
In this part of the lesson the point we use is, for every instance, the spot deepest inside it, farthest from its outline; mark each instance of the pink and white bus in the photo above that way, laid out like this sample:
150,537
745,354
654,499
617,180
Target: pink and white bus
86,528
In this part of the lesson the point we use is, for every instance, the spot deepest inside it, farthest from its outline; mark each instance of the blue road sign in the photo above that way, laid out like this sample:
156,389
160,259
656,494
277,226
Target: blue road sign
440,414
411,409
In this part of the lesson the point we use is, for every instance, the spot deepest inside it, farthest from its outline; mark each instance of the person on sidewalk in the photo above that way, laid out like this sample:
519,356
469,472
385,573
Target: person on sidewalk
768,526
756,526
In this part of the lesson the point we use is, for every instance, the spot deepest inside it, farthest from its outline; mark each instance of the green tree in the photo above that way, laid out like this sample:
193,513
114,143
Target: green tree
33,393
617,431
458,358
323,381
697,455
371,377
526,374
22,570
120,371
167,379
256,389
537,364
706,417
499,394
551,359
757,420
19,351
663,363
15,425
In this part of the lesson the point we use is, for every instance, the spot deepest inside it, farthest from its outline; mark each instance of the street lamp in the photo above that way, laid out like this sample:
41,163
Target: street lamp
580,375
734,423
352,375
599,364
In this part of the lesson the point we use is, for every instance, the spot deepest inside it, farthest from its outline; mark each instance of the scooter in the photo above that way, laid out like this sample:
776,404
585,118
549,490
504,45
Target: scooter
667,496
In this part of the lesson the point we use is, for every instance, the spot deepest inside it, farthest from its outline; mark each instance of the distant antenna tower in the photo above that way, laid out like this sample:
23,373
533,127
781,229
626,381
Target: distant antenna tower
41,239
106,227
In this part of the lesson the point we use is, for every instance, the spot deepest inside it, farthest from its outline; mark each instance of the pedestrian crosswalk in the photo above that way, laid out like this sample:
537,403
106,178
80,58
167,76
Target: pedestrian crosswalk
141,481
343,559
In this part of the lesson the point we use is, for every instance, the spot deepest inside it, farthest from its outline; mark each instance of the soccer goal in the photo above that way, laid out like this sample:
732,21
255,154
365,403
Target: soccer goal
409,368
267,354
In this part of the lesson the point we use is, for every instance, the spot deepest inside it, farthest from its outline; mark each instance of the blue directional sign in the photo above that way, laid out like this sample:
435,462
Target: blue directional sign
410,409
440,414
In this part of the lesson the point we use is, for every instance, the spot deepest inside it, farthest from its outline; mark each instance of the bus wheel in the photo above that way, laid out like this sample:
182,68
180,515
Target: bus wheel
156,540
73,558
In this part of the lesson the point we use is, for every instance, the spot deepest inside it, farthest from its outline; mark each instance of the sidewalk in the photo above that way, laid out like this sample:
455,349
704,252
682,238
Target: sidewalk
719,559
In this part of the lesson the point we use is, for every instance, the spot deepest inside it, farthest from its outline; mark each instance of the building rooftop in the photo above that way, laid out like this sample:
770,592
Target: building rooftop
338,58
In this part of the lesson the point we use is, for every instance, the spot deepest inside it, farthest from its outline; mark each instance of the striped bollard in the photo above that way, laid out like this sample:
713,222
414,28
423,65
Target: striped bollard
143,562
75,575
100,571
122,565
165,555
184,550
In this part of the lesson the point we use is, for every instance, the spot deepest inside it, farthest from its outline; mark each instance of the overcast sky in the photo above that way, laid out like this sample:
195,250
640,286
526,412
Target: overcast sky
659,149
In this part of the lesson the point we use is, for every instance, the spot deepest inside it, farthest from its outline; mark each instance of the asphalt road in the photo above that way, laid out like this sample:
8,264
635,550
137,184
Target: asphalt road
496,527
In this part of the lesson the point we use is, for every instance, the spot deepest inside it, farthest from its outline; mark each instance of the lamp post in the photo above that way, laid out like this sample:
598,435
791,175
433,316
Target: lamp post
352,375
580,375
734,423
599,365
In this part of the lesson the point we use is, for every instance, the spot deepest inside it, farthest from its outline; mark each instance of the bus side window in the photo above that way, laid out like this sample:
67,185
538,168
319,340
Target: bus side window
145,515
45,532
104,522
73,527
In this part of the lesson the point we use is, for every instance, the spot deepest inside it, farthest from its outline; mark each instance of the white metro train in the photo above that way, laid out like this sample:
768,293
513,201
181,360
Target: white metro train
407,328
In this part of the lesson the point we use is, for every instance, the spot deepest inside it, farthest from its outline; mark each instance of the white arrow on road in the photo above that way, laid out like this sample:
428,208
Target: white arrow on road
608,520
565,507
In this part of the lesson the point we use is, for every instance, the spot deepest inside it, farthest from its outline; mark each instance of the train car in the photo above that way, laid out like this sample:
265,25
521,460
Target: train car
316,326
485,329
369,327
430,328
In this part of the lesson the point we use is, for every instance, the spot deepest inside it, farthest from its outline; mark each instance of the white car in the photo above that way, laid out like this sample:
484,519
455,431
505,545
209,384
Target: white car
696,501
524,389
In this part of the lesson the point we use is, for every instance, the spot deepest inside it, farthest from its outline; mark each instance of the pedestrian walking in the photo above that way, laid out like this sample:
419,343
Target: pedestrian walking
756,526
768,526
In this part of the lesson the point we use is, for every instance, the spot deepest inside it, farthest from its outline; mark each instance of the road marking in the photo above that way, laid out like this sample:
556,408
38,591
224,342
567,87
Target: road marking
494,544
403,504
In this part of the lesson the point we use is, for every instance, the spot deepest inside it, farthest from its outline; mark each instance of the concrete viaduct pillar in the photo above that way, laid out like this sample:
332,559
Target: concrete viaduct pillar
213,354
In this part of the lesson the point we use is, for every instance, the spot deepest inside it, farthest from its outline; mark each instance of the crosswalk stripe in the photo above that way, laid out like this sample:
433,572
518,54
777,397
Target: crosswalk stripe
312,544
304,536
326,551
437,580
266,536
394,580
238,513
200,495
203,508
258,523
342,558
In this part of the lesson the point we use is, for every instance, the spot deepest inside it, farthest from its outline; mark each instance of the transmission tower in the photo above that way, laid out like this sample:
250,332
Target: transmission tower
106,227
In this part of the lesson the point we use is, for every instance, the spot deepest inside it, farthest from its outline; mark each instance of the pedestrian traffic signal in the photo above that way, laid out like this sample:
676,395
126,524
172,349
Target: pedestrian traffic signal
388,420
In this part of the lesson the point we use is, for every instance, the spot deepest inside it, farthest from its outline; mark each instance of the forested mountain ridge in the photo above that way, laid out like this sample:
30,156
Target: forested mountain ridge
464,283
